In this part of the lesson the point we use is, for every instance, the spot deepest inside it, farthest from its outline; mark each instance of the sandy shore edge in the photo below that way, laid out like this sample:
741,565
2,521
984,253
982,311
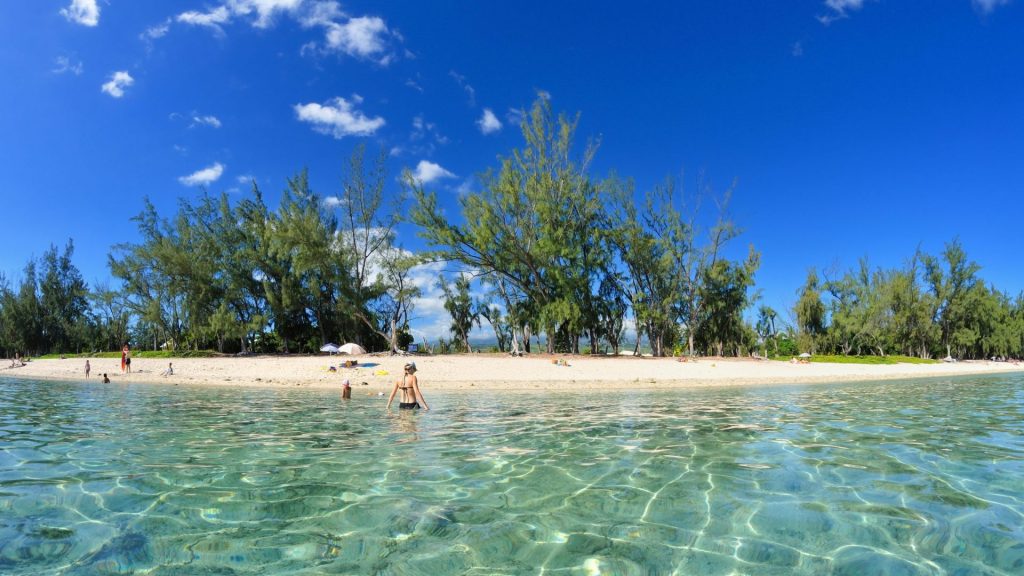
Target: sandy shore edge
475,372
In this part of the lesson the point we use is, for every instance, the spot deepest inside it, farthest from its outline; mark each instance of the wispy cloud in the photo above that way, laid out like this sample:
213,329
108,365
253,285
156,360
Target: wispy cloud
427,172
210,120
84,12
338,118
797,49
205,176
118,82
245,179
987,6
63,64
364,37
212,19
264,10
423,130
488,123
414,85
515,116
158,31
839,9
466,187
461,81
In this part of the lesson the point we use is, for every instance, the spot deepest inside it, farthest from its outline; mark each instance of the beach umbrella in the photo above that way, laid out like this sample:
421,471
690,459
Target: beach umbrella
352,349
330,348
805,355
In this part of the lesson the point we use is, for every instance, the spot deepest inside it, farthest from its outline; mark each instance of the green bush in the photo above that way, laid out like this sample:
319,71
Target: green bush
141,354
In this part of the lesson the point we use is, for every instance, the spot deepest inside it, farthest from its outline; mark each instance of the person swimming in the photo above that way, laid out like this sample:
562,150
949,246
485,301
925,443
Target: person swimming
411,398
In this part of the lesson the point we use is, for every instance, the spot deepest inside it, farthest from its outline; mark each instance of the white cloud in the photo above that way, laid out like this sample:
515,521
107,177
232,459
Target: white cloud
212,19
465,188
366,37
427,171
84,12
488,123
363,37
839,9
118,82
158,31
338,118
797,49
211,121
334,202
515,116
323,13
987,6
461,81
64,64
425,131
245,179
204,176
265,10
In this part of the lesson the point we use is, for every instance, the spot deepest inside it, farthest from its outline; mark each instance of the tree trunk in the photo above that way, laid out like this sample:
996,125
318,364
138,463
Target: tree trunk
394,336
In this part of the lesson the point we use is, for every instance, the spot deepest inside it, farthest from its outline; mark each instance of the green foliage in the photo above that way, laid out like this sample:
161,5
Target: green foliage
463,310
145,354
843,359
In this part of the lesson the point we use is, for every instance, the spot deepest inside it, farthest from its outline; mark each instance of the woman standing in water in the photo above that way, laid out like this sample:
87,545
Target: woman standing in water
411,396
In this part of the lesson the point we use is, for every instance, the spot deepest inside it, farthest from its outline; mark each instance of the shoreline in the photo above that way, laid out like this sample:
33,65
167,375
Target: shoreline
499,372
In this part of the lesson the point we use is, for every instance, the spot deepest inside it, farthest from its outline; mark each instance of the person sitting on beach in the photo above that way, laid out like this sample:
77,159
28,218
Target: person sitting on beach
169,371
410,387
105,379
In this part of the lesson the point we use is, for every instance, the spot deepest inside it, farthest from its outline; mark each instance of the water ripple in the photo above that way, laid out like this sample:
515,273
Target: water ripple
916,477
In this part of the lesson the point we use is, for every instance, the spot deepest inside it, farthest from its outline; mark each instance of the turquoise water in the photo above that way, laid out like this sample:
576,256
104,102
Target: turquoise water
911,477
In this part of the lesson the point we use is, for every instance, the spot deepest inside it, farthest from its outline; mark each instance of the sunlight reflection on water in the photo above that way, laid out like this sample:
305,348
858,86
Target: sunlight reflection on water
909,477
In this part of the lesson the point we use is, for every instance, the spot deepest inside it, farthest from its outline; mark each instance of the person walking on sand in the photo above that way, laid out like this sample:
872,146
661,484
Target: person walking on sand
411,398
124,355
128,361
87,368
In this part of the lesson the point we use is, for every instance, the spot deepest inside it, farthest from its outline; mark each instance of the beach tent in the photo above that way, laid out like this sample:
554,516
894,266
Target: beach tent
352,349
330,348
805,355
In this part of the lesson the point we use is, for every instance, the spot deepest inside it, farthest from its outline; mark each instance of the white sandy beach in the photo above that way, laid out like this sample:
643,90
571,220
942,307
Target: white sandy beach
489,372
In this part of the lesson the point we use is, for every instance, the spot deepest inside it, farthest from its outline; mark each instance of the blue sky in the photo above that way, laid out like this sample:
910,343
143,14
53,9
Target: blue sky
852,127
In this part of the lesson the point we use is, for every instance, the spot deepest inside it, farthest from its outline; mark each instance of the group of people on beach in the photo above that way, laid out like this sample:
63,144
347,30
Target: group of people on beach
126,365
407,388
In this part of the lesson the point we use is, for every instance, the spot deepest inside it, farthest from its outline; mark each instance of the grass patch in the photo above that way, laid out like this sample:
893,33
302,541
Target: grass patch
838,359
140,354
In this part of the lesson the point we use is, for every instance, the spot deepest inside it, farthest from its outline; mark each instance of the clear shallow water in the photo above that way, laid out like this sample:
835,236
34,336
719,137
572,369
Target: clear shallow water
914,477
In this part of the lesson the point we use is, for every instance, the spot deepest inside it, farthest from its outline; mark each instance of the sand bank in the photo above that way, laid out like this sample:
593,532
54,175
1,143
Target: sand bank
490,372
